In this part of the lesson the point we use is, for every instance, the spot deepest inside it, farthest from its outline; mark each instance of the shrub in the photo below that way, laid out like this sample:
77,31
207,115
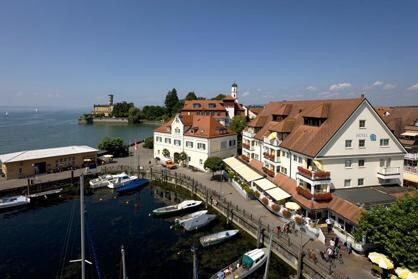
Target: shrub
286,213
149,143
298,220
166,153
257,194
114,146
265,200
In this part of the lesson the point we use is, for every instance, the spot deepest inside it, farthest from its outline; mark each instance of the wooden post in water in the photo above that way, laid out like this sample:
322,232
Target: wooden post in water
266,272
195,267
83,253
259,233
150,172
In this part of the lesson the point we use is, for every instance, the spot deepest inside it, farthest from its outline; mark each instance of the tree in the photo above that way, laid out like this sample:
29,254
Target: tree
237,124
191,96
153,112
149,143
393,229
171,100
114,146
219,97
183,157
166,153
214,164
134,115
121,109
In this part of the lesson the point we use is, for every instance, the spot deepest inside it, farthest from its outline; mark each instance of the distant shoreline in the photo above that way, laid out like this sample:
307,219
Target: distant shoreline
105,120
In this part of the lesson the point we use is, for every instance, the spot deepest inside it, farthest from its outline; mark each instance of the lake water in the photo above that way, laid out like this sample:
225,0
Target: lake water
38,241
23,130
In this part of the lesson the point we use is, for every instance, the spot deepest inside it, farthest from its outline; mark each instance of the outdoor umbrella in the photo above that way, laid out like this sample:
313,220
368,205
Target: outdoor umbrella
381,260
405,273
292,206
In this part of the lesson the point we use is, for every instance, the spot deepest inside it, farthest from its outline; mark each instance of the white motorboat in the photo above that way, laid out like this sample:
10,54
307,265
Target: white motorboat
243,267
101,181
14,201
120,180
198,222
184,205
181,220
216,238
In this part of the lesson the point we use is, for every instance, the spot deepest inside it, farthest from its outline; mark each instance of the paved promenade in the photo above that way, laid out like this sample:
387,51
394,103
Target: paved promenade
353,266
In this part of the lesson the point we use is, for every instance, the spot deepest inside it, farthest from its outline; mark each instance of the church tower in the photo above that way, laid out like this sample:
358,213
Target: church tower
234,91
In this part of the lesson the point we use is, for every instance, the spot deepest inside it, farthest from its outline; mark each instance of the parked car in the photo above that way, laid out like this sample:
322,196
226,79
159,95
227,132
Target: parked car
169,165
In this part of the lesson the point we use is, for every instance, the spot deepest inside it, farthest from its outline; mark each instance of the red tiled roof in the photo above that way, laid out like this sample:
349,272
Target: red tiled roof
397,118
190,105
304,139
345,209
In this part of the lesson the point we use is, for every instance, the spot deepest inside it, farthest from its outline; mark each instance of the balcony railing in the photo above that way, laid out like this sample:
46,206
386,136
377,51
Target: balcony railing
411,156
314,175
248,134
269,172
269,156
246,146
274,142
319,197
389,171
245,158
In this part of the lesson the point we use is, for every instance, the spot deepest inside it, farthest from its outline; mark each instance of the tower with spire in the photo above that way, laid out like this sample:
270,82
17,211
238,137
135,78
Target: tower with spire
234,91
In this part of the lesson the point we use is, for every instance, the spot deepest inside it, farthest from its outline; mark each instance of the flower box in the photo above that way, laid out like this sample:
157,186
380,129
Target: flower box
304,192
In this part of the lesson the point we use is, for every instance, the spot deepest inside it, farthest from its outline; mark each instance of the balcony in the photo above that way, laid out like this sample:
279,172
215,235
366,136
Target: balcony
248,134
271,157
245,158
246,146
319,197
273,142
314,175
411,156
389,173
269,172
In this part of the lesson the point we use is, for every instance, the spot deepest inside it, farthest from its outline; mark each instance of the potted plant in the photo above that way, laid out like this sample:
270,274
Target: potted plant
265,200
286,213
275,207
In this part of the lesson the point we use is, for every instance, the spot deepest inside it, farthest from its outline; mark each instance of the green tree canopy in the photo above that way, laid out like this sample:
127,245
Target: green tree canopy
166,152
121,109
394,230
149,143
134,115
191,96
153,112
214,164
114,146
237,124
219,97
171,101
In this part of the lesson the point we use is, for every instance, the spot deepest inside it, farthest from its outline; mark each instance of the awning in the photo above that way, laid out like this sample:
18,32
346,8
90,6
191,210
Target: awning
265,184
410,133
278,194
410,177
242,169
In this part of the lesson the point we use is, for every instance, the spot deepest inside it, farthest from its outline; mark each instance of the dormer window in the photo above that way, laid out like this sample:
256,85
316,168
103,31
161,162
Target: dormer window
212,105
196,105
313,121
277,117
177,130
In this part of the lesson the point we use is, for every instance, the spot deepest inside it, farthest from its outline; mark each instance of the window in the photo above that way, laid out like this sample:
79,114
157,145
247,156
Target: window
284,170
388,162
159,139
348,163
177,142
200,161
361,163
201,146
167,140
348,143
196,105
283,154
223,145
287,154
360,181
300,160
189,144
384,142
177,130
233,142
382,163
361,143
362,124
347,182
189,158
212,105
295,158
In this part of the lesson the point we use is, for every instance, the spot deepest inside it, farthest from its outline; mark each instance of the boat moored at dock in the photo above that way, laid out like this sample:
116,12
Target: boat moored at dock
181,220
122,179
243,267
132,185
217,238
171,209
15,201
101,181
198,222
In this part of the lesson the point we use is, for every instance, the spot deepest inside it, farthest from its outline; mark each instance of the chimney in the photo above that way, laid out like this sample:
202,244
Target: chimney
362,96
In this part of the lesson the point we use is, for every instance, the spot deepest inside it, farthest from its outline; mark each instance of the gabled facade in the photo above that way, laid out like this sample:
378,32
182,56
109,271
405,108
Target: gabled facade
198,136
322,145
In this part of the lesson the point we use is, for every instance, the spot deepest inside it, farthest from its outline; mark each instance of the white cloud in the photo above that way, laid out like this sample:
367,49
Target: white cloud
311,88
413,87
339,86
388,86
246,93
378,83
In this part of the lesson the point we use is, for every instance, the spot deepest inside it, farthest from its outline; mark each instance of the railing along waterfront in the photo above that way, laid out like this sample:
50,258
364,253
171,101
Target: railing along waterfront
285,246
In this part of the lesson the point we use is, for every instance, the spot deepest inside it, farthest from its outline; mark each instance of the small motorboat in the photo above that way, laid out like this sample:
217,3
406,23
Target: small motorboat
184,205
134,184
181,220
45,194
14,201
216,238
244,266
121,180
198,222
101,181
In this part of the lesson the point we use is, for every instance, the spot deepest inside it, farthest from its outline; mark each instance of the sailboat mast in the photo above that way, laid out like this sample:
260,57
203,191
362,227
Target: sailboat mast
122,250
195,271
266,272
83,253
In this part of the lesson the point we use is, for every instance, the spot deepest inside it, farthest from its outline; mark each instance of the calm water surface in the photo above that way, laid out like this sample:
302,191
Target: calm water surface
22,130
38,241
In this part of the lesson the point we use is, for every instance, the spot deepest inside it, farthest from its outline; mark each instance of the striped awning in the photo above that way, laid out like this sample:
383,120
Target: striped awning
410,133
247,173
278,194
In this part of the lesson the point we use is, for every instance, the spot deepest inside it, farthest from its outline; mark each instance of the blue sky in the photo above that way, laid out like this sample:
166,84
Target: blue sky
74,53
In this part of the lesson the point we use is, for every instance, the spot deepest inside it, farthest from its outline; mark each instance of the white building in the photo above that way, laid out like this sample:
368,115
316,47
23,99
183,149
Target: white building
199,136
311,147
